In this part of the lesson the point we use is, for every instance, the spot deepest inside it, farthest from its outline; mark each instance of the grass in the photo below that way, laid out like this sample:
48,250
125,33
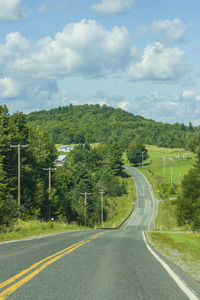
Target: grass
120,207
168,163
23,229
166,218
177,163
182,248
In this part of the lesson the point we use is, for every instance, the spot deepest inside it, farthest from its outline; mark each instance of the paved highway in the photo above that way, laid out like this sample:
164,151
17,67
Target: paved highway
95,264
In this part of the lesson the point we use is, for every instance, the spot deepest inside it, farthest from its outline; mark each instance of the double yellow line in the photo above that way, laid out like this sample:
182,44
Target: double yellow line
15,282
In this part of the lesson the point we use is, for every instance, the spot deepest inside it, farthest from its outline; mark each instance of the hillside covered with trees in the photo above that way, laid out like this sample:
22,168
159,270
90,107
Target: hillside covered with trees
86,170
95,123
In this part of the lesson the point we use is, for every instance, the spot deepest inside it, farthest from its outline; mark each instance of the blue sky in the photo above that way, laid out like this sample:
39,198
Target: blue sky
139,55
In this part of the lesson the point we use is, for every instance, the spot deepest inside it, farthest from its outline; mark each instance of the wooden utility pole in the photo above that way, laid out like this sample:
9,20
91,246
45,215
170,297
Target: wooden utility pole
49,170
164,159
171,177
19,146
142,158
85,202
102,192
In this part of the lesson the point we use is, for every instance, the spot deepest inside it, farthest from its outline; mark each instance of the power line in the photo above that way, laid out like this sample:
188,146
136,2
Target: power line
19,146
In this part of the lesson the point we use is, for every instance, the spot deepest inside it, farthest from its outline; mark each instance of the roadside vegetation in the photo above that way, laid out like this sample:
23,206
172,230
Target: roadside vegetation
55,198
165,169
181,248
120,207
25,229
173,174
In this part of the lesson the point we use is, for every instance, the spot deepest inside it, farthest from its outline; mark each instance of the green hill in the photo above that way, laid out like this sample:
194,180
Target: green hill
95,123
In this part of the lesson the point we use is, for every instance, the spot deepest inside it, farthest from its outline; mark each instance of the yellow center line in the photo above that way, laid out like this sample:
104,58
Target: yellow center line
15,286
3,284
51,259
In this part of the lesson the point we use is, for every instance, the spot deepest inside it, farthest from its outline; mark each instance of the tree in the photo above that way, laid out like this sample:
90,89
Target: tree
114,158
188,202
137,153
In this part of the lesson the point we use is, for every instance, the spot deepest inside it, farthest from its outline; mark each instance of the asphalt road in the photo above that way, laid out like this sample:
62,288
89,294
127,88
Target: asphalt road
94,264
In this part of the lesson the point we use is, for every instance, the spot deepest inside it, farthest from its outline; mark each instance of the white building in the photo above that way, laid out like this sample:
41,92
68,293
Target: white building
65,148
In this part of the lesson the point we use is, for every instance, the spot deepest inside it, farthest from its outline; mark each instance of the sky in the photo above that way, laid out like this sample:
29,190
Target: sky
139,55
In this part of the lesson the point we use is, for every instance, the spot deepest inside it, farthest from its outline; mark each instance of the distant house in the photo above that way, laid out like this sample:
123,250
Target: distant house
60,160
65,148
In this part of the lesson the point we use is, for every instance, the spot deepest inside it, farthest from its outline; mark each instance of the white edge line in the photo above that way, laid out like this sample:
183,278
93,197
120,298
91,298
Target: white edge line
136,202
178,281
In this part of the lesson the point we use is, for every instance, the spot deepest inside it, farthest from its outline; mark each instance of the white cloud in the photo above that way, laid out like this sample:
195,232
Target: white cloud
9,88
124,105
159,63
85,49
113,6
188,94
16,46
81,49
182,108
11,10
173,30
198,98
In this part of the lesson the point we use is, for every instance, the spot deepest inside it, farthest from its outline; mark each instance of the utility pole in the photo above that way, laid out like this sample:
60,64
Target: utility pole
19,146
49,169
142,159
164,158
102,192
85,202
171,176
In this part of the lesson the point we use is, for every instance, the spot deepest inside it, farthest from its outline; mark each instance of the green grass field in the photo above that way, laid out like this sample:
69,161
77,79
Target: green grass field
165,168
170,163
182,248
120,207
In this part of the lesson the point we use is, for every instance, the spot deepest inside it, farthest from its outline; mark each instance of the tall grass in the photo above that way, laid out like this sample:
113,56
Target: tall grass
27,229
120,207
181,248
165,168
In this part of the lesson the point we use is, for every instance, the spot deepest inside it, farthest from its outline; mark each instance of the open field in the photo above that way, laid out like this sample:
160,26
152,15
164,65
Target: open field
170,163
165,168
181,248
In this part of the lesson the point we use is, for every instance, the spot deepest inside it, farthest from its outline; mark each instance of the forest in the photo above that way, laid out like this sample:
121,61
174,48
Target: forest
103,124
88,169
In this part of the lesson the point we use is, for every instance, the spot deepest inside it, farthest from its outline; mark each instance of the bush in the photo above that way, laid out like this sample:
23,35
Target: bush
8,212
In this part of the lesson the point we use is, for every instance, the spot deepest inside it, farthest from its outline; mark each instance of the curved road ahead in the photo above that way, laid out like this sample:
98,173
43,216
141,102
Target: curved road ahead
96,264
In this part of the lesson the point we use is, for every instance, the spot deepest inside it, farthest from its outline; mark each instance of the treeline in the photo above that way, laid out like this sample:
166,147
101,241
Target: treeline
87,170
39,154
188,201
103,124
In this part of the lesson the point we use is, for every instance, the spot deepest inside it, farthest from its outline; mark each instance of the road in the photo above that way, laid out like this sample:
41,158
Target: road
94,264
